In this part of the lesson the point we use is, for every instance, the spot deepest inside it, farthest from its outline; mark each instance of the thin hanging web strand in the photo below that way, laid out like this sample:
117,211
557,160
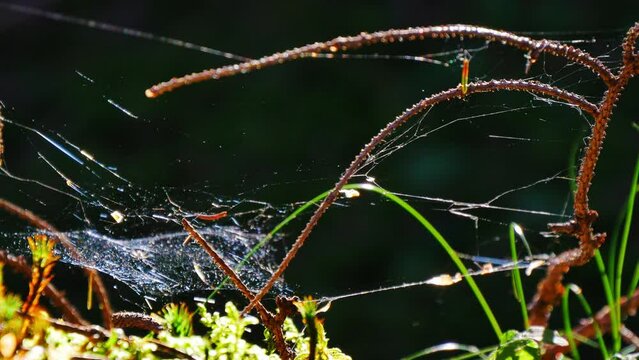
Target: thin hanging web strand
81,158
55,16
448,280
112,28
110,101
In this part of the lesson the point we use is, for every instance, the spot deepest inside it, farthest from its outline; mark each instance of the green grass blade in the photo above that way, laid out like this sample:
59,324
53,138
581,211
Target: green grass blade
270,236
623,246
613,242
444,244
517,284
605,280
588,310
404,205
634,282
565,309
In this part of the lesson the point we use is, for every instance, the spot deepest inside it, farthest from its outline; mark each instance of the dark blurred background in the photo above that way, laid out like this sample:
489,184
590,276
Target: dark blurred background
284,134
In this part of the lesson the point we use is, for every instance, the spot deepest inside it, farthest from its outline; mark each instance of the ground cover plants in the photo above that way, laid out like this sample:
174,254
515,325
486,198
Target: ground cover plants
28,330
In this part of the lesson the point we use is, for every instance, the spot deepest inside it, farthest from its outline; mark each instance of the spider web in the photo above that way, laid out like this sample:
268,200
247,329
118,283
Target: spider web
451,162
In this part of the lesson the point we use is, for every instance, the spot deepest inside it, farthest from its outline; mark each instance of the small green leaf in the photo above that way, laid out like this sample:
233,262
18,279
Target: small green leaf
517,346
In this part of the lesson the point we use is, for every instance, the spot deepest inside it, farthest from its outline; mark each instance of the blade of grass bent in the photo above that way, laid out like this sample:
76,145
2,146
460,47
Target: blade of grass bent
572,288
404,205
623,246
517,284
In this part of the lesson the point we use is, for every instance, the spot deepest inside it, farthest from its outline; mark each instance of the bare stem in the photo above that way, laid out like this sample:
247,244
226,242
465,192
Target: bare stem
127,319
270,321
590,157
549,289
450,94
40,223
217,259
344,43
586,329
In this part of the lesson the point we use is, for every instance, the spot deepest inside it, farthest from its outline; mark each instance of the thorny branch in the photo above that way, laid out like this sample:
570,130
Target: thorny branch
272,322
40,223
344,43
450,94
550,288
586,329
135,320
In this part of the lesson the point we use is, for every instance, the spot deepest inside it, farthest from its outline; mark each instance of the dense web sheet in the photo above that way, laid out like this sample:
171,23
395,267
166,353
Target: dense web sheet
160,265
132,232
112,212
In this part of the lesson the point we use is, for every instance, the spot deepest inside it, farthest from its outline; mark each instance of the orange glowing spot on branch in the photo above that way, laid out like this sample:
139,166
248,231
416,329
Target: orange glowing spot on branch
212,217
464,78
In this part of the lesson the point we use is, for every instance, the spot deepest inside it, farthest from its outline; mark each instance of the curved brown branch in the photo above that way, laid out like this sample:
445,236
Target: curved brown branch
586,329
217,259
450,94
57,298
549,290
272,322
595,144
40,223
344,43
135,320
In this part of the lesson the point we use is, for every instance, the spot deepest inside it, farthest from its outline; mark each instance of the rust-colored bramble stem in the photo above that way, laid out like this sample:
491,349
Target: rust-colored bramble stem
272,322
629,337
40,223
550,289
344,43
135,320
454,93
587,170
586,329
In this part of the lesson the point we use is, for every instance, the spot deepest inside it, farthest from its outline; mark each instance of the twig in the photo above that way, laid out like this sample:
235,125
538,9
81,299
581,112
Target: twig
630,337
586,329
271,322
217,259
344,43
450,94
40,223
69,312
587,169
126,319
549,290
